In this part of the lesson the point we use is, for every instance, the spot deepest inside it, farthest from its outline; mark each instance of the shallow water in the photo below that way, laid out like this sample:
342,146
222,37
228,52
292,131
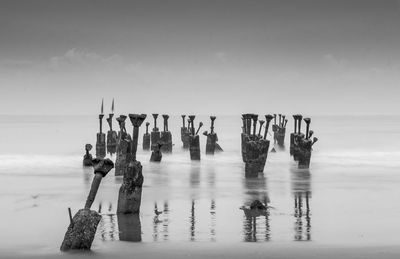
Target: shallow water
348,196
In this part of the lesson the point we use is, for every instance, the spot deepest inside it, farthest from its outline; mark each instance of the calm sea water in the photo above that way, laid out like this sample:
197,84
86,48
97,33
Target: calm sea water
348,196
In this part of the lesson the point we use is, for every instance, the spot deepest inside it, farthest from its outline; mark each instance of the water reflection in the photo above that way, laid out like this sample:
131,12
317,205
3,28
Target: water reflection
256,223
129,227
107,226
213,220
161,221
301,189
192,222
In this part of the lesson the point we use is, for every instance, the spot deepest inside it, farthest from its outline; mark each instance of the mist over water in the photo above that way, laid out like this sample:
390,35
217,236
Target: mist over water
348,196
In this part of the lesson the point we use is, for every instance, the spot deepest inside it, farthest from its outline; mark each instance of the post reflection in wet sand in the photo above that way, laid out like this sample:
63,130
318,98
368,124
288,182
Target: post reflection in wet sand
129,227
301,189
256,220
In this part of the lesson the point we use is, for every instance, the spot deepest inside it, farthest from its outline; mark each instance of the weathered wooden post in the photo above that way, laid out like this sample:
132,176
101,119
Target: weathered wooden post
275,128
166,137
245,136
146,138
305,146
101,137
184,133
194,140
155,133
87,158
123,147
130,193
83,226
112,137
212,138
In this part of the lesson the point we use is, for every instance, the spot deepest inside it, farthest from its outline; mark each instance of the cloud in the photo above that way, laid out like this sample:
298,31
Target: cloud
334,62
75,59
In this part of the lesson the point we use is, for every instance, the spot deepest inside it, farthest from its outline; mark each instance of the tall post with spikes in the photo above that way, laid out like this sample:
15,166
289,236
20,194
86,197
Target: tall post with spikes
101,137
112,136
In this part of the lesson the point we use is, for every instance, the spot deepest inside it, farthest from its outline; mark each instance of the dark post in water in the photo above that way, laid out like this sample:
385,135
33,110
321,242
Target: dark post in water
155,133
166,137
101,137
146,138
123,147
194,140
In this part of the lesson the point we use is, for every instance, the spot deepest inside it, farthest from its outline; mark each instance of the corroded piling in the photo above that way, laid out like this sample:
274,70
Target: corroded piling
194,140
292,135
123,147
87,158
112,137
101,137
305,147
256,149
184,133
130,193
281,130
146,138
212,138
166,137
83,226
129,227
245,136
155,133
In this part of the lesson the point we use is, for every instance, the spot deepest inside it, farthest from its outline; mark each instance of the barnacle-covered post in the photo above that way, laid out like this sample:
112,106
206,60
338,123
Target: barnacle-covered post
83,226
194,140
130,193
155,133
166,136
123,147
101,137
87,158
146,138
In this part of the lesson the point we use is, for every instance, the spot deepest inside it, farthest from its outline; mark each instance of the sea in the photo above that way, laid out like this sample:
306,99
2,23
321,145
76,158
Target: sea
348,196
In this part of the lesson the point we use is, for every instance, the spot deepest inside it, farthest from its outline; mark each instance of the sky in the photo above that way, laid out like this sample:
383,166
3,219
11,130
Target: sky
314,57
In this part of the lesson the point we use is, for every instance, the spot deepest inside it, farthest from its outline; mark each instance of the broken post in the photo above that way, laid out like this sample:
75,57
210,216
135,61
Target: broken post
82,229
292,135
297,137
194,141
146,138
130,193
87,158
281,131
155,133
123,147
166,137
101,137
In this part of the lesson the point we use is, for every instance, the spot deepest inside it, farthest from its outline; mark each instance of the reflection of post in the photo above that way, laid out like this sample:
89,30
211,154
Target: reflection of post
213,219
192,223
129,227
165,221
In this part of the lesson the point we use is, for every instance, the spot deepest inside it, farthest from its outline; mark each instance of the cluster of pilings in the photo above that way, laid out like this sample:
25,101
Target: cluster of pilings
279,129
83,225
301,144
212,138
194,139
255,146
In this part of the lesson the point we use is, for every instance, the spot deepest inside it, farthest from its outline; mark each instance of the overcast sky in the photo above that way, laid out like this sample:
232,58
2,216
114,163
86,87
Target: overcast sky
220,57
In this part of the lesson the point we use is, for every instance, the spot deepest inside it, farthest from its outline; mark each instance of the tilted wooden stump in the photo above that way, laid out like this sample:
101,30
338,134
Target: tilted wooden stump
184,133
87,158
83,225
194,140
130,193
166,137
155,133
146,138
123,147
